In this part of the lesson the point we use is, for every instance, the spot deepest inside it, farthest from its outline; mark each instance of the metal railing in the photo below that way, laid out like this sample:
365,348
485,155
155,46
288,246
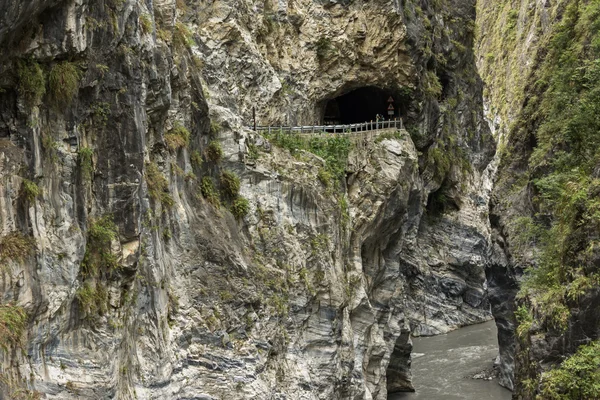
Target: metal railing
349,128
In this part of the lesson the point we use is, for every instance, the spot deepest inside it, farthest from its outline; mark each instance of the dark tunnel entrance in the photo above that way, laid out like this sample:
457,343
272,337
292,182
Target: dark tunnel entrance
363,105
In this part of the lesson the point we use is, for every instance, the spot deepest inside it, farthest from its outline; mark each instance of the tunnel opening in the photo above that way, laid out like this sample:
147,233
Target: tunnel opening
363,105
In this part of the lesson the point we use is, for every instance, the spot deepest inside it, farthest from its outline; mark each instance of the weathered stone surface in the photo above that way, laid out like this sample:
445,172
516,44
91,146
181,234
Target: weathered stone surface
300,299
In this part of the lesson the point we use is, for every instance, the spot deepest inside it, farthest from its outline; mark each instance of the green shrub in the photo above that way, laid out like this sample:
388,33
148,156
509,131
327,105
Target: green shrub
15,246
86,163
325,177
230,184
63,82
100,113
577,377
214,152
432,85
13,321
30,190
240,207
196,159
98,254
207,188
32,83
525,320
158,186
178,137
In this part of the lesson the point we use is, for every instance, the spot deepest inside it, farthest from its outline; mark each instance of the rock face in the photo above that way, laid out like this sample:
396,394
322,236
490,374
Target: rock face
523,59
122,134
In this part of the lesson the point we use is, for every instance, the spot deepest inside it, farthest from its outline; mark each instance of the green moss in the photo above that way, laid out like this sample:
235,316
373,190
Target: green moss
32,83
98,254
13,321
577,377
15,246
207,188
214,152
158,186
86,163
63,82
230,184
240,207
30,190
178,137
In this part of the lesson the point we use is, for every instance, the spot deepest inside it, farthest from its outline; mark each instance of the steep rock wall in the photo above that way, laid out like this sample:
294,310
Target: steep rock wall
134,283
534,58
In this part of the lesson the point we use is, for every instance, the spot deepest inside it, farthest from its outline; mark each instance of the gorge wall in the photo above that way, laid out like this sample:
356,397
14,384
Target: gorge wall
154,247
539,60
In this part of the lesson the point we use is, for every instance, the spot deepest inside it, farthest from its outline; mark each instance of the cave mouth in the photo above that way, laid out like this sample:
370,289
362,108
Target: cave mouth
363,105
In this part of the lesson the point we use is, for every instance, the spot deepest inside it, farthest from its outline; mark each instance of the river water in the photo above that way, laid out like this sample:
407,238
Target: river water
442,366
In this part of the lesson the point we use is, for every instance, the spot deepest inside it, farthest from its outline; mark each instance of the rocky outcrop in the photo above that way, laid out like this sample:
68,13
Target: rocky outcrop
141,267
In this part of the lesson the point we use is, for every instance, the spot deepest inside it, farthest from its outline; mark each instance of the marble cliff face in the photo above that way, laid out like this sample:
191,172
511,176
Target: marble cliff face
122,127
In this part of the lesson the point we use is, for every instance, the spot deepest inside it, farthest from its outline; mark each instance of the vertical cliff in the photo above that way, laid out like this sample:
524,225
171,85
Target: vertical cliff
153,246
539,61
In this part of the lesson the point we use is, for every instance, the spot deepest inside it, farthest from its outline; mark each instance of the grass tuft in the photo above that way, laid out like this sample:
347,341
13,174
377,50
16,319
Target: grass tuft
178,137
63,82
15,246
207,188
13,321
158,186
98,254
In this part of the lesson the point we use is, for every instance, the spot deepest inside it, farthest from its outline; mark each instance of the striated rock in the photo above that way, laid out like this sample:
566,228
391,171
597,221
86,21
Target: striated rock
137,284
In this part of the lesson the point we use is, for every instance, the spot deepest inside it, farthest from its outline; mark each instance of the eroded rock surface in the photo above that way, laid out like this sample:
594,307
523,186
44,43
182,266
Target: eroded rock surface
315,291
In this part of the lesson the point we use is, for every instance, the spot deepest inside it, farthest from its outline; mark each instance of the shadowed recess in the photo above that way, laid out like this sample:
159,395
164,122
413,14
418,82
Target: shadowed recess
362,105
